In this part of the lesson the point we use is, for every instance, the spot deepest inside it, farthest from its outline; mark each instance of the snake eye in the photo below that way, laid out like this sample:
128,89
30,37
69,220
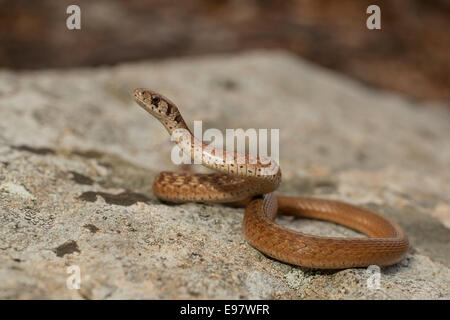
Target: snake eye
155,100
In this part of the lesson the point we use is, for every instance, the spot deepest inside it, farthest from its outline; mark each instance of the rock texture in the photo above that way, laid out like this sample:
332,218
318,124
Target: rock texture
78,156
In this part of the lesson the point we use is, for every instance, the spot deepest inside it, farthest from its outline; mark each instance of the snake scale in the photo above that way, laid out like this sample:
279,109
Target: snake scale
253,183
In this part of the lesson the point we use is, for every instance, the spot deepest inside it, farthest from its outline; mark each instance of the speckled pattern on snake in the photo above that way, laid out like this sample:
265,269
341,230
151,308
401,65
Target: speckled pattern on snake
254,183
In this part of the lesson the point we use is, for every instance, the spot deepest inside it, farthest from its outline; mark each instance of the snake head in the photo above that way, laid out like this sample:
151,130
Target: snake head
156,104
161,108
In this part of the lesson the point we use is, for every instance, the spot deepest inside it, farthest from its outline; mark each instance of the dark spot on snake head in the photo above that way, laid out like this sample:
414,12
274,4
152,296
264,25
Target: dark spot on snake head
178,118
169,109
155,101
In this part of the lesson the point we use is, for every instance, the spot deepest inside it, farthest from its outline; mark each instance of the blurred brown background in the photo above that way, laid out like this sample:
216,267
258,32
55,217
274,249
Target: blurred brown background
408,55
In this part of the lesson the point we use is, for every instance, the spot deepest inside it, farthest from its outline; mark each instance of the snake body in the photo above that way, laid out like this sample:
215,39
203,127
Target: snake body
253,182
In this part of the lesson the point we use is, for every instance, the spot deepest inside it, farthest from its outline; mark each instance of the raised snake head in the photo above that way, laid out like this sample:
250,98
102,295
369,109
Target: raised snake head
160,107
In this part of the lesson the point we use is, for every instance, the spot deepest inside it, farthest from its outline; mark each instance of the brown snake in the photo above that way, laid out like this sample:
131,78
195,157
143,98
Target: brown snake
253,183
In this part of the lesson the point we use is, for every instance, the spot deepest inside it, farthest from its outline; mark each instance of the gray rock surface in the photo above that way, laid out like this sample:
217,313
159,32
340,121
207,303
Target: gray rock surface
78,156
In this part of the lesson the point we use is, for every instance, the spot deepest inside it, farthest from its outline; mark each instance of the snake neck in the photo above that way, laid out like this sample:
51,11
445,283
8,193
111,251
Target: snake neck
262,178
175,123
